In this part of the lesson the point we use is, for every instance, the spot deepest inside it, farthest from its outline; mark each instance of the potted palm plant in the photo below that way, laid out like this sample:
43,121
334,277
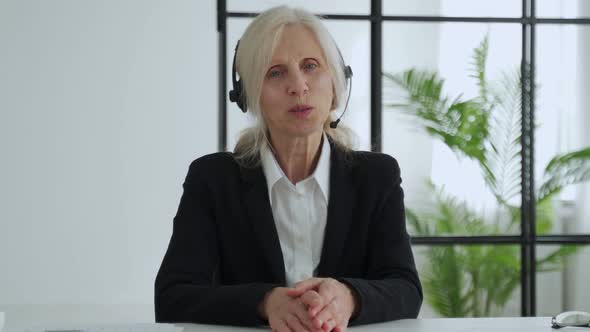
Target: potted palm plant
463,281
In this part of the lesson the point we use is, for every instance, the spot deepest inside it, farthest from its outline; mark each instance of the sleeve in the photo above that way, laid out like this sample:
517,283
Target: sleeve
392,289
187,285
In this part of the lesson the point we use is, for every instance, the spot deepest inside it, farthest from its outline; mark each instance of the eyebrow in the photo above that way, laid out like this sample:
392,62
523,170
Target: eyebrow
279,62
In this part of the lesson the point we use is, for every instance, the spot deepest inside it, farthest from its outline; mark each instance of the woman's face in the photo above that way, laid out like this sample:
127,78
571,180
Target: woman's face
297,75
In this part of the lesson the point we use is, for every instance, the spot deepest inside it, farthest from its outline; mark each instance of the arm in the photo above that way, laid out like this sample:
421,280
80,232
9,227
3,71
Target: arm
187,286
392,289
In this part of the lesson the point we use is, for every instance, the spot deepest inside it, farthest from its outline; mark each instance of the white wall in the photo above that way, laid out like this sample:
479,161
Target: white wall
103,105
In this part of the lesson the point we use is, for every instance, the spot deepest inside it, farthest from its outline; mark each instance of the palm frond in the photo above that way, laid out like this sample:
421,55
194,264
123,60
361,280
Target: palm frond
461,124
418,226
556,259
500,275
545,215
454,217
564,170
443,282
479,60
503,154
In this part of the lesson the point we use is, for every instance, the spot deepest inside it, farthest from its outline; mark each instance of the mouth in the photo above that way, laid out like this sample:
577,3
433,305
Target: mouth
300,109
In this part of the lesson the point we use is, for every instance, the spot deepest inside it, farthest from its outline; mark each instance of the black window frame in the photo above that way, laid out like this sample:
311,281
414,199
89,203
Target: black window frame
528,239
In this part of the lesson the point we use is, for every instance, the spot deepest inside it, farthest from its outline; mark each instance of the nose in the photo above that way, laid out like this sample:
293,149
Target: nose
297,84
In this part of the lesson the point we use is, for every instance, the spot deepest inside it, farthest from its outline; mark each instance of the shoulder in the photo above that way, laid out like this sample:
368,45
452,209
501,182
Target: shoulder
375,161
375,167
212,166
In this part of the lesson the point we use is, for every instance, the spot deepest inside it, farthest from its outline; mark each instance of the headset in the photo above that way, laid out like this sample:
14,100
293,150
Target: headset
235,95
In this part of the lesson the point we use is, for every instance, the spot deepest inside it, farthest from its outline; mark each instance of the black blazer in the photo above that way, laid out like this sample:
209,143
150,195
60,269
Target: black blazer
224,253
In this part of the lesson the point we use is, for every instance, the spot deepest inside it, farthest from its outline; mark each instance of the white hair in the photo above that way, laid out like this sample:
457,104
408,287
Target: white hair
253,56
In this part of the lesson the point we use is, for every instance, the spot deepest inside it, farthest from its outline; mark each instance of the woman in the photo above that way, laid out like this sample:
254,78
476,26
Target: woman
293,228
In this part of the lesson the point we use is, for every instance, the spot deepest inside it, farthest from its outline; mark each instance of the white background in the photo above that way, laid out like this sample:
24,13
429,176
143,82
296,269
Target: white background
104,104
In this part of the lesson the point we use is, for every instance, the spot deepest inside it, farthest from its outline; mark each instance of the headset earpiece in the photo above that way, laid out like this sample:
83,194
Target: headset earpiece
235,95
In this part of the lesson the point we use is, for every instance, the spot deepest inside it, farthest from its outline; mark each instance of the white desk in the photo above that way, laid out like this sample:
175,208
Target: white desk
432,325
536,324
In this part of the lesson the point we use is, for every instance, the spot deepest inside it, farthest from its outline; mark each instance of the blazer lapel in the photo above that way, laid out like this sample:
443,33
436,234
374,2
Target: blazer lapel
340,207
259,211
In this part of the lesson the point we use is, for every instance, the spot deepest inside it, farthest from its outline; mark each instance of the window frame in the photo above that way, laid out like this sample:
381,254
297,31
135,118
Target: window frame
528,239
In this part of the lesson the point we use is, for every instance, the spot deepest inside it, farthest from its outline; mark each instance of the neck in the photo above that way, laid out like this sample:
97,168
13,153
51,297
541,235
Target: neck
297,157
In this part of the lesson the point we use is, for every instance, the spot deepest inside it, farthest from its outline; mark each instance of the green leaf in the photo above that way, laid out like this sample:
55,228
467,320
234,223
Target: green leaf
544,215
503,155
564,170
443,282
417,226
556,259
480,56
461,124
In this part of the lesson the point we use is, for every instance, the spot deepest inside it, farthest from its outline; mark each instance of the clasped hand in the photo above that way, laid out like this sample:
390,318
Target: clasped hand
313,305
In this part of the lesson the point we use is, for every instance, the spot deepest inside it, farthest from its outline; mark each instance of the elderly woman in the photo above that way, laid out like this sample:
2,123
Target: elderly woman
293,228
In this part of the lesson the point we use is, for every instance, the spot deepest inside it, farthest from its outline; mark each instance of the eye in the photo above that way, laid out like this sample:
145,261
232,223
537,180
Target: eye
275,73
311,65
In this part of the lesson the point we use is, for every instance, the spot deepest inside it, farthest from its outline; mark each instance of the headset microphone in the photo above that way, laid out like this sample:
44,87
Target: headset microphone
348,76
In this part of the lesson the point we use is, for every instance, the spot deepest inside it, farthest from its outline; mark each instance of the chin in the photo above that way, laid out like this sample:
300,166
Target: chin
305,132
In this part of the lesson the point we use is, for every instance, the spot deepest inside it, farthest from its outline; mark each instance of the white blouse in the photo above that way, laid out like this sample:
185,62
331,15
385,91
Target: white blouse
300,212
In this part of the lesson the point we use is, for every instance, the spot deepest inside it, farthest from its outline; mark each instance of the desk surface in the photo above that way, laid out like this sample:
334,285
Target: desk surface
521,324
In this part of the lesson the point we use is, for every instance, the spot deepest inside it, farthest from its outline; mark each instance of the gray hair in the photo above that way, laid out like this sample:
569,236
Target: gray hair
254,54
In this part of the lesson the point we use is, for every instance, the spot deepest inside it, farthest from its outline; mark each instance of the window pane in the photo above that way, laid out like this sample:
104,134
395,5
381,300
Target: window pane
562,121
498,8
563,272
563,8
456,183
353,39
469,280
356,7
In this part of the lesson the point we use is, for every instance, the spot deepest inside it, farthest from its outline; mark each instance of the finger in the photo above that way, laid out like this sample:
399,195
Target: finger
303,286
295,324
340,328
311,299
329,325
327,313
280,326
327,290
303,317
327,295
